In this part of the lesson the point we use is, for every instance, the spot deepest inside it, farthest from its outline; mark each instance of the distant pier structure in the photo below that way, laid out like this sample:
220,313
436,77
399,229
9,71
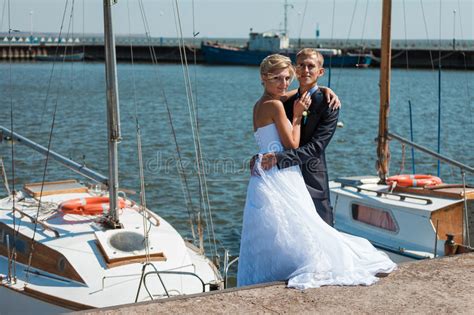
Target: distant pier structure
458,54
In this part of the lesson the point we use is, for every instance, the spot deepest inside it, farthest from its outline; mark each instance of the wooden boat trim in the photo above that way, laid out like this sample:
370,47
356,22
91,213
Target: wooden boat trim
44,258
128,260
75,306
449,220
30,188
441,191
54,300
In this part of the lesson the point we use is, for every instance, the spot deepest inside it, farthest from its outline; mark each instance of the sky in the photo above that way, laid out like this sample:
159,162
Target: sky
355,19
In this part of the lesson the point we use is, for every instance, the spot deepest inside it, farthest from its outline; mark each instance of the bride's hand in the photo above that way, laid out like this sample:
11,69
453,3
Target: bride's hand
301,104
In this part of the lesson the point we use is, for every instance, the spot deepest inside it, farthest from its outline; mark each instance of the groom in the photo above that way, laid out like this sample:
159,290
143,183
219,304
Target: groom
317,128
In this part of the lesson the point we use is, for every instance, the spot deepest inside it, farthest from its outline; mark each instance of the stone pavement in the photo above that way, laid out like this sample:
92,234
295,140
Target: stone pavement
443,285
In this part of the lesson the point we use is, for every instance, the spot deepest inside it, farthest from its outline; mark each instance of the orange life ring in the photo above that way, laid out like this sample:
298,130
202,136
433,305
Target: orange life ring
88,205
417,180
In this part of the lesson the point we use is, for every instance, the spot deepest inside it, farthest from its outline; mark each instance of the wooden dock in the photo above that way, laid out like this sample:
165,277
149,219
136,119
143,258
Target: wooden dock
443,285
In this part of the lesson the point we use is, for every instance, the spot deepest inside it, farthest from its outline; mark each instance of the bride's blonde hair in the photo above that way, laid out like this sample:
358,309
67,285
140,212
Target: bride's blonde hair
274,63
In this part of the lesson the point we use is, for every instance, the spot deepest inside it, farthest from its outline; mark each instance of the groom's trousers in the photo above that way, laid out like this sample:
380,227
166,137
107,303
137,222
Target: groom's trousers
324,209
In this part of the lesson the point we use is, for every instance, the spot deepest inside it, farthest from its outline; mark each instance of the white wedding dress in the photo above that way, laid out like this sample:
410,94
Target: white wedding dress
283,237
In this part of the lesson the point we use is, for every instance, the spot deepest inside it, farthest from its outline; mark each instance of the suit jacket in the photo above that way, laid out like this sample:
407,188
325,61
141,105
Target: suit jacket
315,136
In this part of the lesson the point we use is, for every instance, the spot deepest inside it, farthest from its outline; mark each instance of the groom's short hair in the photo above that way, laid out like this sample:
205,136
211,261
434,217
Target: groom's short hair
311,52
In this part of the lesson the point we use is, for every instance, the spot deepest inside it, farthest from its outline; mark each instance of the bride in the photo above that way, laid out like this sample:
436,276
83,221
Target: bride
283,237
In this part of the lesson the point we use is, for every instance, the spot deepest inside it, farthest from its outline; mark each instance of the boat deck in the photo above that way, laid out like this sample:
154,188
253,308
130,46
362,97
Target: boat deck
76,259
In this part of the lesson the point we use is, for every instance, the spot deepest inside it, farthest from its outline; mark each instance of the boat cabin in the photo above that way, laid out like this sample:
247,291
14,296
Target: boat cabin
268,41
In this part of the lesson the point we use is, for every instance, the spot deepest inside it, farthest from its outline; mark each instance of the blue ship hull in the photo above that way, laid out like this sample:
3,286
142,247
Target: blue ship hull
214,54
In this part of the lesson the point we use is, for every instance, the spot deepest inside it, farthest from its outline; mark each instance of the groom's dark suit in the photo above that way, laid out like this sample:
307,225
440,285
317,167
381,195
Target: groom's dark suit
316,133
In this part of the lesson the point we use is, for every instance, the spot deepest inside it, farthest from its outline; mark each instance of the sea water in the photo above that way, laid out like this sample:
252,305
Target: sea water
74,94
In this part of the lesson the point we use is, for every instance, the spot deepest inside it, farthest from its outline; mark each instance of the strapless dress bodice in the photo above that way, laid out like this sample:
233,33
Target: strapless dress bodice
268,139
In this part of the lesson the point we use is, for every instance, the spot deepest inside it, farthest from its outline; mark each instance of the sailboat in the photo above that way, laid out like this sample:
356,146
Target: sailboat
407,219
68,246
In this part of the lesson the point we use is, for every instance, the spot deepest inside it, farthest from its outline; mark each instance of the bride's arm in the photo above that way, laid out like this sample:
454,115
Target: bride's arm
289,134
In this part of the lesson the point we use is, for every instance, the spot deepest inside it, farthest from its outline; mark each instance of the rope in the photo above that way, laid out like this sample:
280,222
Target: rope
467,241
184,181
402,163
193,119
4,176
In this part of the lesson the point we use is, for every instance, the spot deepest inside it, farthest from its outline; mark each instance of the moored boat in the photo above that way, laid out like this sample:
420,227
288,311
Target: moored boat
66,245
427,219
261,45
70,261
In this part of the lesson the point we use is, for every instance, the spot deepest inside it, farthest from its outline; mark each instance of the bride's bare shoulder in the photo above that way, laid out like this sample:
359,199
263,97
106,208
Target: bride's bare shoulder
274,104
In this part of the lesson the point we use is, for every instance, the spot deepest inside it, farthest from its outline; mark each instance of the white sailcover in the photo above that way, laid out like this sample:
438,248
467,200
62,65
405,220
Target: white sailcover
283,237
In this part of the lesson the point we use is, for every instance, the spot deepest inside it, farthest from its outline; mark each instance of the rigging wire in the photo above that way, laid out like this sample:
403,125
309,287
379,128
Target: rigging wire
347,38
439,88
51,75
143,206
332,37
12,255
408,90
3,13
363,32
50,138
467,81
201,196
192,113
427,36
180,166
302,23
430,50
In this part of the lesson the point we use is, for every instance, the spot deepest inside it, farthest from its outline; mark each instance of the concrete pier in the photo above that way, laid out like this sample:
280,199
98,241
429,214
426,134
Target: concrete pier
444,285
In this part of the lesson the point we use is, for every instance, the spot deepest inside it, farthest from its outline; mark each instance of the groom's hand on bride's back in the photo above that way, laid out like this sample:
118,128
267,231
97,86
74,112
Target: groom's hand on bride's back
268,161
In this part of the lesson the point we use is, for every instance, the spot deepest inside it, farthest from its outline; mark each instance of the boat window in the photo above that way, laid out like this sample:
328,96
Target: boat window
375,217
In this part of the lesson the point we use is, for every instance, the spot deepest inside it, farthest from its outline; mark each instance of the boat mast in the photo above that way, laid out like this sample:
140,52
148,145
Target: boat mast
113,113
383,152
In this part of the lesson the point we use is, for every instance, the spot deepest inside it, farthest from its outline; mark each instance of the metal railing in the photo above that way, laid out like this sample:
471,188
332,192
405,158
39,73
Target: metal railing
432,153
158,274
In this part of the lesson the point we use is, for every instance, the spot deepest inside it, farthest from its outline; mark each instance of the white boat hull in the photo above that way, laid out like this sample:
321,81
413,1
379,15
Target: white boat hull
86,265
15,302
407,226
